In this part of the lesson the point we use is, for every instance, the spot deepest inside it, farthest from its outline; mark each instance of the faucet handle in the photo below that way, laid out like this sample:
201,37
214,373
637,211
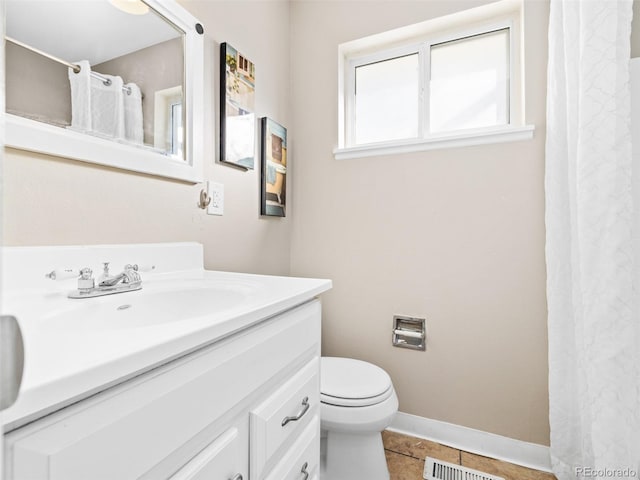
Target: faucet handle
85,273
84,276
62,273
131,274
86,280
143,267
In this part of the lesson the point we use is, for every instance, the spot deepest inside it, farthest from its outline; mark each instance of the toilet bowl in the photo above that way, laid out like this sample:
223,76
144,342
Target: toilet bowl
357,402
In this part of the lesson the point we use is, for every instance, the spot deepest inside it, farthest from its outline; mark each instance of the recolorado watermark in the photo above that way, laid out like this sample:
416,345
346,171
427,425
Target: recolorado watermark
592,472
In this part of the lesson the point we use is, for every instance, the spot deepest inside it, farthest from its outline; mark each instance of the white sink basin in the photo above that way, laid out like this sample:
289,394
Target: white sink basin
77,347
148,307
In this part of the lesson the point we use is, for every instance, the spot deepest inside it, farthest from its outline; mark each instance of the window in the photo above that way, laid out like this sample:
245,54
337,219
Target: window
448,83
385,100
469,85
177,133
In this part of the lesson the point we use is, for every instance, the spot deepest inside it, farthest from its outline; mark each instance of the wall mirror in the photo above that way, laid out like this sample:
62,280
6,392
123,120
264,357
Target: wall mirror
113,82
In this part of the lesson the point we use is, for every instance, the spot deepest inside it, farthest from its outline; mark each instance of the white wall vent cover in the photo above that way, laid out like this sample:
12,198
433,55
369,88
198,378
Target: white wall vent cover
439,470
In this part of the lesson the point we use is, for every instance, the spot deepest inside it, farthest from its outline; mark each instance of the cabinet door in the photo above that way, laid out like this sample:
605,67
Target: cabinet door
221,460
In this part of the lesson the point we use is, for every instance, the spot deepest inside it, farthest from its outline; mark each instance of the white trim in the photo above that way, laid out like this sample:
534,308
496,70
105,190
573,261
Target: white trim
26,134
343,71
381,56
530,455
424,99
432,27
449,140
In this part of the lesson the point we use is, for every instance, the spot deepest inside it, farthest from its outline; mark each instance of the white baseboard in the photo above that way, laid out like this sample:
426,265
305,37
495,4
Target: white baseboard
527,454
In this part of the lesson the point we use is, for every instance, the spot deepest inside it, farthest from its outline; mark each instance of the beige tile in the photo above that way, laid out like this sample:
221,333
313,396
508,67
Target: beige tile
503,469
402,467
418,447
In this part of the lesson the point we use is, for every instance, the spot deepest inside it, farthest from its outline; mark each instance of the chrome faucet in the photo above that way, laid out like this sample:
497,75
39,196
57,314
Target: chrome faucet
129,276
128,280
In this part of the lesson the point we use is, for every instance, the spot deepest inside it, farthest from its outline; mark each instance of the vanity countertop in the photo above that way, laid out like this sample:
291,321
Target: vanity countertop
76,348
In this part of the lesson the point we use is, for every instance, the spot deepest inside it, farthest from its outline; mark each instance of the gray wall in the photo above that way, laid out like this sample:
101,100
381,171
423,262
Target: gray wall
37,87
455,235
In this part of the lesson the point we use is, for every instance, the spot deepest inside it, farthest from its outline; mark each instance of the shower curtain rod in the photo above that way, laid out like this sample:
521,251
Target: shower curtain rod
72,66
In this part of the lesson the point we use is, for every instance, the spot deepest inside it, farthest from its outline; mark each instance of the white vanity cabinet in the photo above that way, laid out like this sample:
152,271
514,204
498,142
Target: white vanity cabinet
219,412
221,459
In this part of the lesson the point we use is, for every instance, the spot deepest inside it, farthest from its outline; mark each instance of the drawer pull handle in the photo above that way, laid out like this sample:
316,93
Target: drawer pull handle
304,470
305,407
237,476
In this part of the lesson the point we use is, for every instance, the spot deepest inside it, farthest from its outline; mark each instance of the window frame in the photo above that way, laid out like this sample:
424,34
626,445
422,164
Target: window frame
463,35
387,46
376,57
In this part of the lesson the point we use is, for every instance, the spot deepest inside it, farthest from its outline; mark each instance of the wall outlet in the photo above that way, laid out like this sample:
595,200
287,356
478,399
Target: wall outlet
216,194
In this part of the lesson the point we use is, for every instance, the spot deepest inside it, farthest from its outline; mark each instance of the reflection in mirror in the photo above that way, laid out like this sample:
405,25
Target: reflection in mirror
90,67
168,131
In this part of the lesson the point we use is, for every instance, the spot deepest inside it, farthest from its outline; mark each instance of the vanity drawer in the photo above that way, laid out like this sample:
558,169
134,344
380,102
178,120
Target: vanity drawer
302,460
223,459
284,414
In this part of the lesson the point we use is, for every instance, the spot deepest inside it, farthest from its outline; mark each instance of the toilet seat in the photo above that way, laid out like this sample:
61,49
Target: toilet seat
355,402
347,382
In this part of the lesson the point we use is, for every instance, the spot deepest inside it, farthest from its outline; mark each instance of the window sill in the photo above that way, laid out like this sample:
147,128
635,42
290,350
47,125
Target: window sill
454,140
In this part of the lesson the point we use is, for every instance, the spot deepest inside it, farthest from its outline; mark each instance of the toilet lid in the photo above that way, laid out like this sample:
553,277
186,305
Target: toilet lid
350,382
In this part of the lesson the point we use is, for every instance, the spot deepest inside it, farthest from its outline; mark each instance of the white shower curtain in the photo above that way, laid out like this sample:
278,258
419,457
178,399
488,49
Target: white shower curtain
107,106
133,127
81,97
105,109
594,322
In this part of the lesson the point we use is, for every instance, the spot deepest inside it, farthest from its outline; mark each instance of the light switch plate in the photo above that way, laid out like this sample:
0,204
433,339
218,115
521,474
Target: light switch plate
216,194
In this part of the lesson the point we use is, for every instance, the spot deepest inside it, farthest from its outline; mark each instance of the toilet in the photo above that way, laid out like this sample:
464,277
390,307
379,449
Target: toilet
357,402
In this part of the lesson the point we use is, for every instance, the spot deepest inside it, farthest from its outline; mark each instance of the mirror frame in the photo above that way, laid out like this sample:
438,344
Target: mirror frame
25,134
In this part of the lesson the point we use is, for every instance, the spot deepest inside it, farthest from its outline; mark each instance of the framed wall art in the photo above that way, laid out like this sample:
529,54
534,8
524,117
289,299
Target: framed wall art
273,152
237,108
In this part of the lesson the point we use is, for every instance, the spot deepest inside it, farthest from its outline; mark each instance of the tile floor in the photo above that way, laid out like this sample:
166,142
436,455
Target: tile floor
405,457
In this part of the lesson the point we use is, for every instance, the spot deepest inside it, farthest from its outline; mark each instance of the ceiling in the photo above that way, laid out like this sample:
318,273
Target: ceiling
92,30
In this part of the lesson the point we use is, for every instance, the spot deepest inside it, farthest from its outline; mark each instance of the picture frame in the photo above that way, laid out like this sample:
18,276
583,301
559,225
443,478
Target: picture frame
237,108
273,156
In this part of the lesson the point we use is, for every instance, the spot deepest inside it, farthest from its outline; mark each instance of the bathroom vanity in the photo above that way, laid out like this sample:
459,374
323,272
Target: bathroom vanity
197,375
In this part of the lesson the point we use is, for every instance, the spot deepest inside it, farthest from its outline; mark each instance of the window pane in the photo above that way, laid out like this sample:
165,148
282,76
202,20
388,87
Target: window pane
470,82
387,100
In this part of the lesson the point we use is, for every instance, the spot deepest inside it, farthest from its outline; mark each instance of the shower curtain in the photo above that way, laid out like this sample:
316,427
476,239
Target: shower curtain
107,110
592,265
107,107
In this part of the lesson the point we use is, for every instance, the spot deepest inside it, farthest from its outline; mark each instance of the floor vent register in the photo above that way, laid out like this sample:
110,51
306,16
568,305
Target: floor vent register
439,470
